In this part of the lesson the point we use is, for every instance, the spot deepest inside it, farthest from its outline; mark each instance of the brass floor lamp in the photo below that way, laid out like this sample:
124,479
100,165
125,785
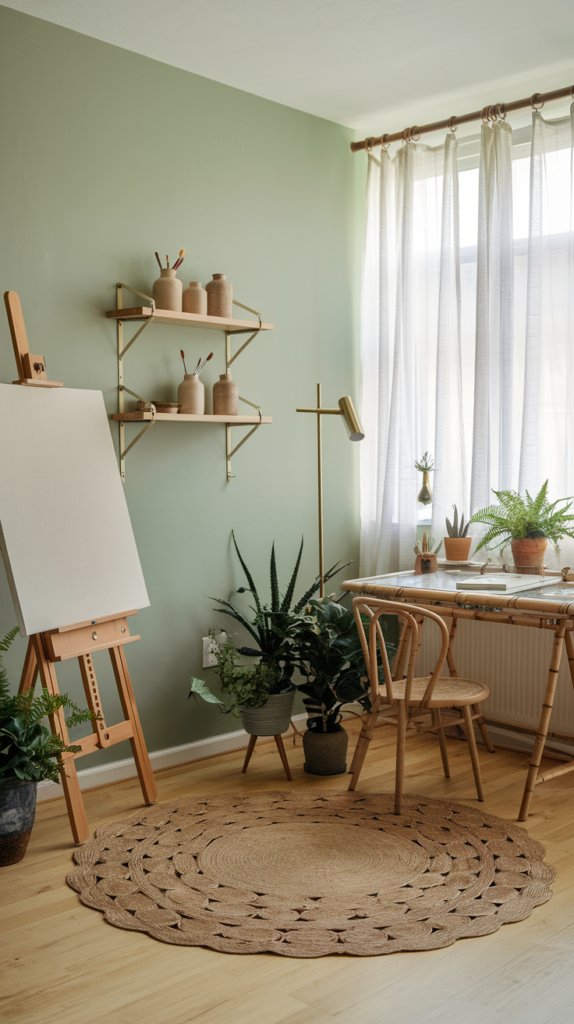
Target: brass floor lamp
346,409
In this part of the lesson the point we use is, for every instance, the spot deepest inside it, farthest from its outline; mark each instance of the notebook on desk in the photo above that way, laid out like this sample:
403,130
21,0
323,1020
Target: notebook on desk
507,582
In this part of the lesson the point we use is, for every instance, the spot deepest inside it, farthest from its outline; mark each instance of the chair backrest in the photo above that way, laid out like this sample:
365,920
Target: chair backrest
409,643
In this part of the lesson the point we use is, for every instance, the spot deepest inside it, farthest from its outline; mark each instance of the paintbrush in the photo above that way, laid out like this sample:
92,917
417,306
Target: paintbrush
206,360
183,357
167,261
159,261
178,264
180,260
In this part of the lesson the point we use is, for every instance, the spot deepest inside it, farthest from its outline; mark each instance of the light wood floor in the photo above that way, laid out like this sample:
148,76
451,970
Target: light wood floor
62,964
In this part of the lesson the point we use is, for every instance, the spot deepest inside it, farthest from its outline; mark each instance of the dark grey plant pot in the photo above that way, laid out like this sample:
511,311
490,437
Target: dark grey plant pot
271,718
325,752
17,813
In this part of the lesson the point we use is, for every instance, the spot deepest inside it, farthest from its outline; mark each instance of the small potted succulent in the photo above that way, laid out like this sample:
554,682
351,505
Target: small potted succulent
27,756
526,523
457,544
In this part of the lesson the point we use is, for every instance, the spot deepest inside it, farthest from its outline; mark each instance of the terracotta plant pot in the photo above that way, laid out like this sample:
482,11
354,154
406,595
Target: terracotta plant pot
17,813
325,752
457,549
271,718
528,554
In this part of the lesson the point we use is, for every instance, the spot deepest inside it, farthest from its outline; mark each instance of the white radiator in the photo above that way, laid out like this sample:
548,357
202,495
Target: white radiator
513,662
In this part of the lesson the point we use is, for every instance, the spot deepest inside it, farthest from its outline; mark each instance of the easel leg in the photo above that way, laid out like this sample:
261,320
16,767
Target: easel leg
30,670
250,748
129,707
279,741
71,786
544,723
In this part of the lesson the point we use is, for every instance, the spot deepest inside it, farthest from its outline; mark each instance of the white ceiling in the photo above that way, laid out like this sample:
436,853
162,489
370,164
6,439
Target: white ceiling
368,64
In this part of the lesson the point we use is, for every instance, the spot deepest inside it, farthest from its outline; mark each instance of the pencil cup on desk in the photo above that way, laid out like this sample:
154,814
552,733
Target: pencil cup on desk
167,291
191,396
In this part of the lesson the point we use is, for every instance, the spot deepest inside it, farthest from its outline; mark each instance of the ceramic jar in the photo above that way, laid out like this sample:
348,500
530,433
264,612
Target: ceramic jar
191,396
225,396
167,291
194,299
219,297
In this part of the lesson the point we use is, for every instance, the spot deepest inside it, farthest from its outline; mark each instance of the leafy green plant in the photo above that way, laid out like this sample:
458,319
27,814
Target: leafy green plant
331,660
456,529
516,517
272,626
27,748
248,686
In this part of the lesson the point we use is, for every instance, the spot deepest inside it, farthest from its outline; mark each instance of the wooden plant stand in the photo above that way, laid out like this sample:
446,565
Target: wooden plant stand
280,747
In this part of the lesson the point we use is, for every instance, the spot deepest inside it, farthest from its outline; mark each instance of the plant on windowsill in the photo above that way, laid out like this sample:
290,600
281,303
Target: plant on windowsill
27,756
457,544
331,660
527,524
262,695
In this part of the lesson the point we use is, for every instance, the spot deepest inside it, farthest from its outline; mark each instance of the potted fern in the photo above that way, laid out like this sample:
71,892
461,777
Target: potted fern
526,523
457,544
28,754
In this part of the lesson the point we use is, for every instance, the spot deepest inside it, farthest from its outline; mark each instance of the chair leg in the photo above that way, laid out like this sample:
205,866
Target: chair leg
469,729
250,746
400,764
437,721
482,726
365,737
279,741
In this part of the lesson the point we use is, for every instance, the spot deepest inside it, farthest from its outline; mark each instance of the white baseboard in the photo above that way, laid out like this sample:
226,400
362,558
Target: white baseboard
116,771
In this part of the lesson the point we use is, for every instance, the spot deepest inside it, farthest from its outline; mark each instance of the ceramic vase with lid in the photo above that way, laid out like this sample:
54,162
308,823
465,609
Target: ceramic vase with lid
225,396
195,299
167,291
191,396
219,297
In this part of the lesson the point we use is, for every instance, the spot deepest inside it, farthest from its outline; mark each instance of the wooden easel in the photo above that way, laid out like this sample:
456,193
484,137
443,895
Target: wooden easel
79,641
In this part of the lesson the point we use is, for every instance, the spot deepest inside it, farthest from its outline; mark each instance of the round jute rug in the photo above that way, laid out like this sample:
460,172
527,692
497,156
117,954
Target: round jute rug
307,875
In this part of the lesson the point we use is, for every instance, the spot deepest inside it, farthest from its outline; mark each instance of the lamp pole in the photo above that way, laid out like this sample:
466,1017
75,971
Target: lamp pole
347,411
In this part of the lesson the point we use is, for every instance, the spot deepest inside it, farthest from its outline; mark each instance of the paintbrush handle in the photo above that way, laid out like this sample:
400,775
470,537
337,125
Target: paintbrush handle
159,261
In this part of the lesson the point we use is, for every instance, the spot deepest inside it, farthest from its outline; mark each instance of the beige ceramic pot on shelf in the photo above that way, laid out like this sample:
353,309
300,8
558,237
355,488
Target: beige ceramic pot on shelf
457,549
225,396
167,291
219,297
191,396
528,554
194,299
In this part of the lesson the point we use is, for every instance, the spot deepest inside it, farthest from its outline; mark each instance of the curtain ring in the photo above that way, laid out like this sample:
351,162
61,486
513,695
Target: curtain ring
450,125
415,131
484,115
501,111
384,145
407,135
369,144
533,101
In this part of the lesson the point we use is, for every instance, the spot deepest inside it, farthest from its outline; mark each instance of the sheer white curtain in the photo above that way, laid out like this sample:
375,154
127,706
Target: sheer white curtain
466,346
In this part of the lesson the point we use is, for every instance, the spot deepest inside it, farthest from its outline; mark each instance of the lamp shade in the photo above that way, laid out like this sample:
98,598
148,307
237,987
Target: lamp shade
352,423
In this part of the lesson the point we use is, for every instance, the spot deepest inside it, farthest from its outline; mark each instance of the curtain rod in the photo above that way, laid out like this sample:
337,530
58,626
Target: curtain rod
492,113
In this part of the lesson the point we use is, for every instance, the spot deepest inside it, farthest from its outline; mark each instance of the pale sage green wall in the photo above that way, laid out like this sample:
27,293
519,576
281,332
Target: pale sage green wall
107,156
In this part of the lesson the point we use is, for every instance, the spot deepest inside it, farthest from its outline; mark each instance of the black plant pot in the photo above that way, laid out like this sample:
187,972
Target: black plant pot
325,752
17,813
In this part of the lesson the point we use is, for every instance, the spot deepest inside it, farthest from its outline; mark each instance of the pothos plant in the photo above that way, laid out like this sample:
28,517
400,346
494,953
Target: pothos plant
28,750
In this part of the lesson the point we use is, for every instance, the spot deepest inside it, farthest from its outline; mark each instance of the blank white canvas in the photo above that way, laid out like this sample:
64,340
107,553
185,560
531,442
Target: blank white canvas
66,536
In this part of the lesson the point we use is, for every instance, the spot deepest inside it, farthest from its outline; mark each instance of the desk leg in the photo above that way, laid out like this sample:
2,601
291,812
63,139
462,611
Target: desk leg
542,733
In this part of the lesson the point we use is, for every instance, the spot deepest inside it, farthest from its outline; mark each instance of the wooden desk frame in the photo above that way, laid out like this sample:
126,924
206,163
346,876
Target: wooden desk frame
517,610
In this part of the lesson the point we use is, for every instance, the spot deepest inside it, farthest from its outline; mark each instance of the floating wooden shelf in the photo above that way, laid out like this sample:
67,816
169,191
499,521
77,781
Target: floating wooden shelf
167,316
166,417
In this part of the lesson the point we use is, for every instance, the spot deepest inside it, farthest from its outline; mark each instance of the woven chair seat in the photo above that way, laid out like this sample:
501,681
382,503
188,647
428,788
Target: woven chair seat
449,692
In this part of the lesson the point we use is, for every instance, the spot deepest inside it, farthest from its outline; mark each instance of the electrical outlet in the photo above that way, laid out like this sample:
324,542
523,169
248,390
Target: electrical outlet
209,659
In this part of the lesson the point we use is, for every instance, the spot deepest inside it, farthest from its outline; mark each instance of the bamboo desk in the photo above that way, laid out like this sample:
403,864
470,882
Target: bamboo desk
550,607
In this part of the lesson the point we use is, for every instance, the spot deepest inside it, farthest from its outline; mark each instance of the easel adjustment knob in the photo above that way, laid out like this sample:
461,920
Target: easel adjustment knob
94,636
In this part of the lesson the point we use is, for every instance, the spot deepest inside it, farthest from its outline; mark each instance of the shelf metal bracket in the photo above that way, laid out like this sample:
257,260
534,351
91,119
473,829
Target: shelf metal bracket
230,452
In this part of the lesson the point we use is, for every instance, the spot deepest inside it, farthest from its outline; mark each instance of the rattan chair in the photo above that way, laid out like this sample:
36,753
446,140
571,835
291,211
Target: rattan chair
409,693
